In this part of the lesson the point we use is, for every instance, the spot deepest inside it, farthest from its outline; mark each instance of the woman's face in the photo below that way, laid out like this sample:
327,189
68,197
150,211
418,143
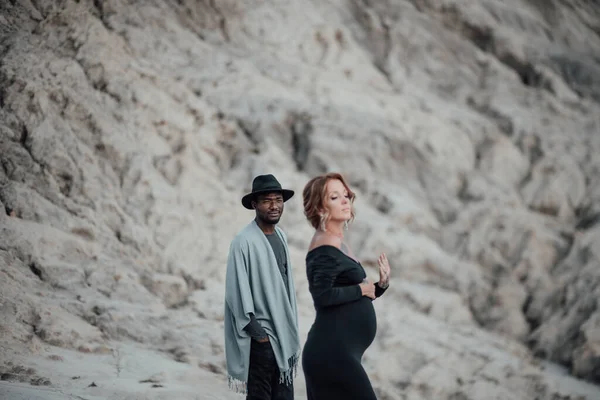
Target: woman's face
337,201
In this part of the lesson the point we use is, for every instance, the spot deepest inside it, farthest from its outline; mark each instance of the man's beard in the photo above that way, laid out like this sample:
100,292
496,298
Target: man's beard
269,220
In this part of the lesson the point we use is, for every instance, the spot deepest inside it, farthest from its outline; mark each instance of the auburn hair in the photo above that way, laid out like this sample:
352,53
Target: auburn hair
313,197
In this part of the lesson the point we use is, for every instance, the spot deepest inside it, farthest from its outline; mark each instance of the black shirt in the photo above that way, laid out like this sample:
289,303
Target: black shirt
280,256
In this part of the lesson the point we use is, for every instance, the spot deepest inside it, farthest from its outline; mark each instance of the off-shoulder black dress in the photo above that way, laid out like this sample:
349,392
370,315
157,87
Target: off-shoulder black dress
344,327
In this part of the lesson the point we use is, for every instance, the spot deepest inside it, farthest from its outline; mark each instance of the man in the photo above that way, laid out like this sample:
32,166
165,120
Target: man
262,343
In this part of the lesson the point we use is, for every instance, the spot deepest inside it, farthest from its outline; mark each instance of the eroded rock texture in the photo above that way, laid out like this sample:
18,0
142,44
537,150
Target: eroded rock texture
470,130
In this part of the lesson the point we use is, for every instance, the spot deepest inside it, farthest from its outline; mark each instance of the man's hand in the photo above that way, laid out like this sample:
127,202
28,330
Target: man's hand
265,340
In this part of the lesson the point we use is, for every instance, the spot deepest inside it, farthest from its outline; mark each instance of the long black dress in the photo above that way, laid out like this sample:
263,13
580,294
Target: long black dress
344,327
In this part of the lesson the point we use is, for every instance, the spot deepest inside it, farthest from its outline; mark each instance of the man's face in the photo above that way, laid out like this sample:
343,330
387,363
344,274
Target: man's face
269,207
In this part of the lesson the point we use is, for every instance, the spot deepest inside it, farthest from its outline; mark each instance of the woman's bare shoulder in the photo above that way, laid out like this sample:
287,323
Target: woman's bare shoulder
319,240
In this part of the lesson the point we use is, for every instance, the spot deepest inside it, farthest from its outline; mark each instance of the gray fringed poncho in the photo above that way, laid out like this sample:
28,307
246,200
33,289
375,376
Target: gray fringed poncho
254,285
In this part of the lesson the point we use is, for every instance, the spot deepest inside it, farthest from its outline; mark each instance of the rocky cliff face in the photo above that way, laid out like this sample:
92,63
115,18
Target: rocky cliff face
470,130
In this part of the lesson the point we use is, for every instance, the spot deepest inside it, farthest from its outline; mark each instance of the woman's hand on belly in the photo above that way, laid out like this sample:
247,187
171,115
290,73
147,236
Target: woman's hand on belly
367,289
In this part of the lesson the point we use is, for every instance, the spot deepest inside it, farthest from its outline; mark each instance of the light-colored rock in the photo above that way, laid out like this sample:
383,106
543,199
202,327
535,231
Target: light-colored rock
566,318
469,130
207,302
60,328
557,187
171,289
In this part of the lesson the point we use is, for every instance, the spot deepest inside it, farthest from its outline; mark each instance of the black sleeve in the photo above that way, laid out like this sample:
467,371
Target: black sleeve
321,272
255,329
379,290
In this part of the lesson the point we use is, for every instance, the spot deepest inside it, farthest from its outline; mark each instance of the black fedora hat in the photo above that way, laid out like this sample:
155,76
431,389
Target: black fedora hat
265,184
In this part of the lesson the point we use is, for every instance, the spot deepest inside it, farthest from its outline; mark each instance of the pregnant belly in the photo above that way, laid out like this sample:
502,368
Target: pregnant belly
351,326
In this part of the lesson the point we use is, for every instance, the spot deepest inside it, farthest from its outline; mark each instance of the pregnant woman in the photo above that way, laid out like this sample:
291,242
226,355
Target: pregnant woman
345,322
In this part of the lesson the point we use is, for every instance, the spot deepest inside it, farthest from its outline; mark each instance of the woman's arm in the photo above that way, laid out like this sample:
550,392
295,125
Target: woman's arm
322,271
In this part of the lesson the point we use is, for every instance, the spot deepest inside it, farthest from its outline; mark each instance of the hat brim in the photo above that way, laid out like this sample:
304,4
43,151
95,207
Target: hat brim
247,199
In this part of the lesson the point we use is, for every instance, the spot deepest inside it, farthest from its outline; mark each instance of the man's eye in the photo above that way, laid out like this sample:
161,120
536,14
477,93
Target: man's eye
333,198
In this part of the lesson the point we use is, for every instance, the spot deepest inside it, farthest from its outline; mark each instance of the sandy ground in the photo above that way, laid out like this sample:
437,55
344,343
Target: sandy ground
134,373
116,376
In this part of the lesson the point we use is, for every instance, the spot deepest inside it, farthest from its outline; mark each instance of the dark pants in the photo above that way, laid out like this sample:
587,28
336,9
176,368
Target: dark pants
263,375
